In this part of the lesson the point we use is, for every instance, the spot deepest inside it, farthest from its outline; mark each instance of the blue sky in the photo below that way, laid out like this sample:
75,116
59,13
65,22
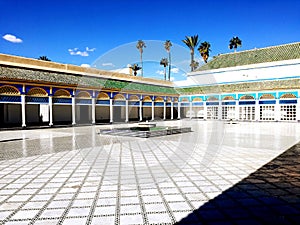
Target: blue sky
79,32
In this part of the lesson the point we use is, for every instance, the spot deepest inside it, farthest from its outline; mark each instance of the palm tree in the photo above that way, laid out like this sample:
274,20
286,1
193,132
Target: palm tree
135,68
204,50
194,64
164,62
191,42
45,58
140,45
168,46
234,43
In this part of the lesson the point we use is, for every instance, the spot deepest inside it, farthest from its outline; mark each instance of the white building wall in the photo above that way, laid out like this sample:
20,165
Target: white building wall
247,73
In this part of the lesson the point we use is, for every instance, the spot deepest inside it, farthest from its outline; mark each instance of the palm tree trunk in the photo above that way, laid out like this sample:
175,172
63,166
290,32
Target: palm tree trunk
165,72
142,71
169,72
192,61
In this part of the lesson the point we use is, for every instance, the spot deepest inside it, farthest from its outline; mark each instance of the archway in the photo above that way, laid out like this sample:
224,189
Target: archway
83,107
10,107
102,108
119,107
288,107
198,107
158,108
62,107
147,108
37,108
133,108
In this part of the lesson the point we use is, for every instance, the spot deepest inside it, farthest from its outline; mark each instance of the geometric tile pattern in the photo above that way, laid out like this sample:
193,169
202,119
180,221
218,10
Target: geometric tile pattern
77,176
270,195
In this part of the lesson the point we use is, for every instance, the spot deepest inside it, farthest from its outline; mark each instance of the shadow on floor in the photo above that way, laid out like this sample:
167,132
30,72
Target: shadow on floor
271,195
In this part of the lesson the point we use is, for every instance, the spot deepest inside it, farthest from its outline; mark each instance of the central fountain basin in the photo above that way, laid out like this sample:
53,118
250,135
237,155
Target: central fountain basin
146,131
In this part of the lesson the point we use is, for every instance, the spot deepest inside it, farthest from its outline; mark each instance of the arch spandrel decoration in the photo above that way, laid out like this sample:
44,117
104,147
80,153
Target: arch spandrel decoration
212,99
159,99
147,99
198,99
184,100
119,97
169,100
37,92
267,96
102,96
83,94
62,93
247,97
228,98
288,95
9,90
134,98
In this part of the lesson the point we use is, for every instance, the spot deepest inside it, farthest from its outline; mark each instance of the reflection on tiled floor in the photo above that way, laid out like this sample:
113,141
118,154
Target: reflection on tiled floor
76,176
270,195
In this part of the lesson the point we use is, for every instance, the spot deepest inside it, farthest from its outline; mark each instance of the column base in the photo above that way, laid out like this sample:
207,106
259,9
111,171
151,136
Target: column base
23,127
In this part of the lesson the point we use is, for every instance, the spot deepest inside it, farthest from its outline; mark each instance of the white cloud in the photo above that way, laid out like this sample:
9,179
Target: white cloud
108,64
175,70
76,51
172,78
90,49
160,72
12,38
85,65
79,53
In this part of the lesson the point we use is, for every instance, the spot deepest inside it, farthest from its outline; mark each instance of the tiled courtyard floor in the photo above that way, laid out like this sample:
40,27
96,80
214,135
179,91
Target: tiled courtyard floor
76,176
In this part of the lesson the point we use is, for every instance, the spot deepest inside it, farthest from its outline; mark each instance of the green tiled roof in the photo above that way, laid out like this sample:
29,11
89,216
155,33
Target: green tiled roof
23,75
261,55
238,87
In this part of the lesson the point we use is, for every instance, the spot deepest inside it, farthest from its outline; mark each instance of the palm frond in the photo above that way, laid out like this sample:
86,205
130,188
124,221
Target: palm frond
168,45
140,45
191,41
234,43
164,62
